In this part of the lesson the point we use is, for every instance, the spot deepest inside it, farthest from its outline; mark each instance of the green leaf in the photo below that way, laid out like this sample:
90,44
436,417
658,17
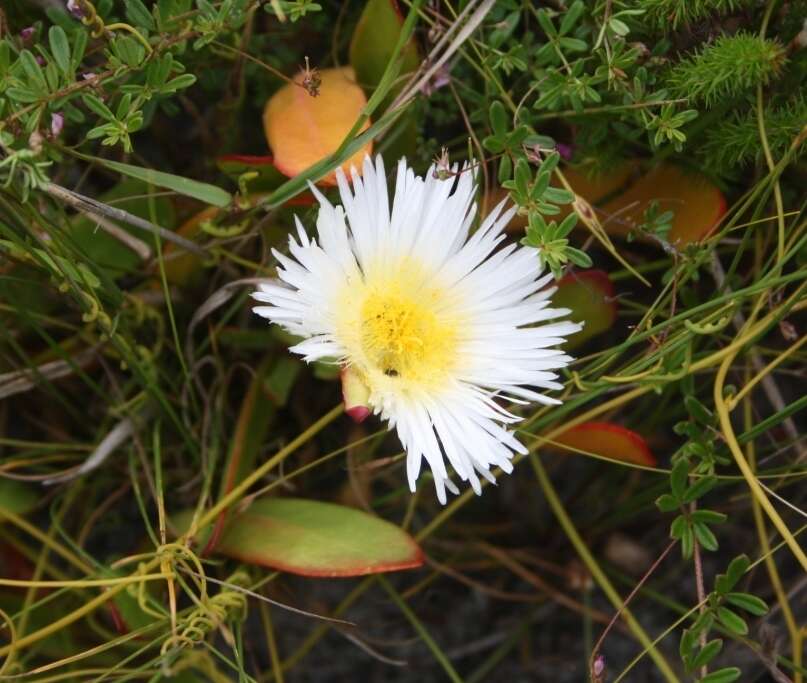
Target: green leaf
707,654
505,169
727,675
498,118
97,106
699,488
687,644
138,14
578,257
573,44
179,83
738,566
732,621
557,195
687,542
313,538
567,224
522,176
678,527
667,503
210,194
705,536
17,497
708,516
60,48
546,23
373,44
129,51
33,71
79,46
618,26
750,603
23,95
678,478
699,411
571,16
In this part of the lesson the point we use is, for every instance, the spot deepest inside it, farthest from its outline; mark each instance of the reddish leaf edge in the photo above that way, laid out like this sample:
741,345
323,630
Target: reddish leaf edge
629,434
248,159
414,563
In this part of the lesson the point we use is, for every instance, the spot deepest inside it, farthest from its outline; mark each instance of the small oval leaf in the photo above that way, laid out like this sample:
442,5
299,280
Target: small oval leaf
312,538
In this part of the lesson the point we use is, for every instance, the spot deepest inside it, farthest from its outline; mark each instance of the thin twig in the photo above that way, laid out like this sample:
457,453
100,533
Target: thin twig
89,205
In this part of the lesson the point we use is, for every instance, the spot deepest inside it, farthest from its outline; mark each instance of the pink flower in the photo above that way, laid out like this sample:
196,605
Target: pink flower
27,33
565,151
56,123
440,79
76,8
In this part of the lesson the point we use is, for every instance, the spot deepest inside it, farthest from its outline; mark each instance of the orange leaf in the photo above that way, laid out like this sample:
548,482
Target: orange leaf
594,188
608,440
697,204
302,130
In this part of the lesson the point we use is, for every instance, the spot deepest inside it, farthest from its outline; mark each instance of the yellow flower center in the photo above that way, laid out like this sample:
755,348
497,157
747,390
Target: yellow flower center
400,330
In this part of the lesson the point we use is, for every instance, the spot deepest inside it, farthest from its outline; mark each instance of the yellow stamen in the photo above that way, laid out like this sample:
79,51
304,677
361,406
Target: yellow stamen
399,329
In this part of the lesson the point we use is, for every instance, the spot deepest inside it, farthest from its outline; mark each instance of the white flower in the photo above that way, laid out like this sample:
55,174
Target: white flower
437,324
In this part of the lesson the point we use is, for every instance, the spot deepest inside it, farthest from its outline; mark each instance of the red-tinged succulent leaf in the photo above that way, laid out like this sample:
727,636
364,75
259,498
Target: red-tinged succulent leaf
302,129
243,162
608,440
697,204
590,296
313,538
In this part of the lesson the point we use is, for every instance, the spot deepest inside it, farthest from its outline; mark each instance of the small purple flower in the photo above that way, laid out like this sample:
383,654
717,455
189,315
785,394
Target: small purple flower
76,8
40,60
56,123
440,79
566,151
27,33
599,666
